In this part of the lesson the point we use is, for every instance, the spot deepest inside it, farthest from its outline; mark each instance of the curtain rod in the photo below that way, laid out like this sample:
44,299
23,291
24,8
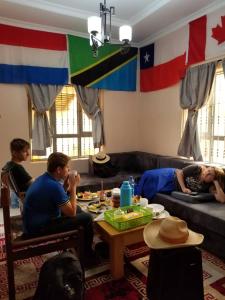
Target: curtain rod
218,59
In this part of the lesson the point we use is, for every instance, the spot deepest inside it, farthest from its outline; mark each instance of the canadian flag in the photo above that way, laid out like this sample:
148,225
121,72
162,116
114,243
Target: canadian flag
163,63
215,35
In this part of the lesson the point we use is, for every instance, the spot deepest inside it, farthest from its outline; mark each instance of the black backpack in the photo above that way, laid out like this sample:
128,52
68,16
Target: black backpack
61,278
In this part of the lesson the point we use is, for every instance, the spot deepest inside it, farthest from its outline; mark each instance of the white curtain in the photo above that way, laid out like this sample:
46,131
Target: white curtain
89,100
42,98
195,92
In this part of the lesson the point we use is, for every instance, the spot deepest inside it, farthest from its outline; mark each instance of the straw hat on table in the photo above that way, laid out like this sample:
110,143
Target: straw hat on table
169,233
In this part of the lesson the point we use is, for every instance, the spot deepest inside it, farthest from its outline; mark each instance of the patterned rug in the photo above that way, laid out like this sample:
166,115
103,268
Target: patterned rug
99,283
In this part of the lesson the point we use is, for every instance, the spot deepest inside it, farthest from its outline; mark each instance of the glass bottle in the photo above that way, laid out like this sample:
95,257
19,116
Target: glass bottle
132,183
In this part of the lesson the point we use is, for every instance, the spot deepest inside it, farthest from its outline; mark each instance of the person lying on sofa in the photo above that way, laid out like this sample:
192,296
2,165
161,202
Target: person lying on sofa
193,178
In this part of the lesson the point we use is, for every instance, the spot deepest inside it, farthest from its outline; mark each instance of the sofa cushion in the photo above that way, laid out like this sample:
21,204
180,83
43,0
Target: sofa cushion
198,198
93,183
210,215
173,162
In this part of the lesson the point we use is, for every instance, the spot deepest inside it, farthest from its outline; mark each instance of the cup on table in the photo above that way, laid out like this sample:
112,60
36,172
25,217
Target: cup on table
72,174
143,202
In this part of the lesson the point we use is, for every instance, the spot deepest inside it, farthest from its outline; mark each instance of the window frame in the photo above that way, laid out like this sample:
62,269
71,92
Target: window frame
211,116
52,121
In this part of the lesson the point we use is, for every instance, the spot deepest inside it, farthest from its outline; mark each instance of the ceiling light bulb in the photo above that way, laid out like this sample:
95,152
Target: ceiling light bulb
125,33
94,24
97,38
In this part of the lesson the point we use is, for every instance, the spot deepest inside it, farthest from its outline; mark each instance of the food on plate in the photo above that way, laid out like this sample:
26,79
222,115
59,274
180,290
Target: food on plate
96,207
87,195
136,199
157,209
128,216
108,193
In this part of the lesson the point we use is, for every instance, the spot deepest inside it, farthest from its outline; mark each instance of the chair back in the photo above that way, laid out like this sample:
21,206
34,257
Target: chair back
20,247
7,178
5,202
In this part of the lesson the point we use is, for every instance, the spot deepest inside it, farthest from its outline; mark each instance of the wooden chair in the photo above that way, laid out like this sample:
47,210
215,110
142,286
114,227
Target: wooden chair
21,248
8,178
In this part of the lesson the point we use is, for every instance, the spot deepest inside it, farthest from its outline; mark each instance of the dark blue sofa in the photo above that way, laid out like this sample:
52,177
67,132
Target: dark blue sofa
207,218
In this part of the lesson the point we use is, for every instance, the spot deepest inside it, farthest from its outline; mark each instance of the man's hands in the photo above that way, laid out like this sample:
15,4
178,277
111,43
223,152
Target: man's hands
180,178
186,190
218,193
74,179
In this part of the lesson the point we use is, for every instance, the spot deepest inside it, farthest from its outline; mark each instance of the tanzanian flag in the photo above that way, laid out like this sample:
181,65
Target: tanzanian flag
111,70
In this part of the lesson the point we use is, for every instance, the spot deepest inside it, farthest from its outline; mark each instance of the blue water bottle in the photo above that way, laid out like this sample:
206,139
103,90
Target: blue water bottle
125,194
132,183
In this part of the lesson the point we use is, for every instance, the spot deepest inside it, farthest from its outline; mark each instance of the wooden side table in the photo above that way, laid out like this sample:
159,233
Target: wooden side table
117,241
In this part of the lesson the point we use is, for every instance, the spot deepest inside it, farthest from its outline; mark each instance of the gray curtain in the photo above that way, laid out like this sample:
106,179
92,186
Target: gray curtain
42,98
194,94
89,100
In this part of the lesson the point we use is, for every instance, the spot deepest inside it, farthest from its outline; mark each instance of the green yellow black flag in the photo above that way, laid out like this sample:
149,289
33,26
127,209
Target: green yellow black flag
111,70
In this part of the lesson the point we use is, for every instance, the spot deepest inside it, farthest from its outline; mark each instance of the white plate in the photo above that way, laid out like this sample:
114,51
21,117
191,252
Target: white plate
157,208
162,215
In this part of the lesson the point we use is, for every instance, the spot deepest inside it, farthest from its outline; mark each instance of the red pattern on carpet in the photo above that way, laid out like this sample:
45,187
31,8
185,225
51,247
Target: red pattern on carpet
101,285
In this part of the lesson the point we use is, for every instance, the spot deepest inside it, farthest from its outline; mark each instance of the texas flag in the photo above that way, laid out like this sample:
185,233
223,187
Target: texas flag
32,56
163,63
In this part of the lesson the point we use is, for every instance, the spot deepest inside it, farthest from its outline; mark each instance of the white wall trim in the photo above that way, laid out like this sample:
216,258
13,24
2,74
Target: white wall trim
206,10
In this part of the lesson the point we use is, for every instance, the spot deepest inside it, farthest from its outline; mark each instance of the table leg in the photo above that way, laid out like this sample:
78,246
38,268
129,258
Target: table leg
116,257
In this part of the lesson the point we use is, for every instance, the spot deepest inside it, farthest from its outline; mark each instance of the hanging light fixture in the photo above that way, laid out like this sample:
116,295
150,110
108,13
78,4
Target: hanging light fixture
100,32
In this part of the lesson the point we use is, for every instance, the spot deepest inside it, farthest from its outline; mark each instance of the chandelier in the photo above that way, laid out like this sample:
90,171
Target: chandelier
100,32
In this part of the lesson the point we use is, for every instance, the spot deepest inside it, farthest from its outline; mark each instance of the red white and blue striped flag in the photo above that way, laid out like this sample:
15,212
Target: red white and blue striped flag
32,56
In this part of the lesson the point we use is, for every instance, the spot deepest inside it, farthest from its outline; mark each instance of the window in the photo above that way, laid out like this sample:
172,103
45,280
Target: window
71,127
211,123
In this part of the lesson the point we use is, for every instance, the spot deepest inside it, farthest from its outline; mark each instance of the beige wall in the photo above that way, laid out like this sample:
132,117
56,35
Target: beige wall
121,120
120,114
133,121
160,124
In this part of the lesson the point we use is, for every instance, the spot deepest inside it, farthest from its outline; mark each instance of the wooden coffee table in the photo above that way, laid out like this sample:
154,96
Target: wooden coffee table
117,241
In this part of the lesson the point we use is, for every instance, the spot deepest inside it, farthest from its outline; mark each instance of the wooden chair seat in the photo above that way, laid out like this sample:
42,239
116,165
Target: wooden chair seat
22,247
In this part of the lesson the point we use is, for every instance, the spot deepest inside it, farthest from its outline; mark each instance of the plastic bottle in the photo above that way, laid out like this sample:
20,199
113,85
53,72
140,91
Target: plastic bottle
116,197
125,194
132,183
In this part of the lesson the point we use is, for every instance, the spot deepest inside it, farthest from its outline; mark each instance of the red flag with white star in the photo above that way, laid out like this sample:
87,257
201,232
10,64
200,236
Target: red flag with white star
163,63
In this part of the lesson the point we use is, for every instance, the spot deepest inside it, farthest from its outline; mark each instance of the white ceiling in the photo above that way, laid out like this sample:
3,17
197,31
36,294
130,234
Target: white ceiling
149,18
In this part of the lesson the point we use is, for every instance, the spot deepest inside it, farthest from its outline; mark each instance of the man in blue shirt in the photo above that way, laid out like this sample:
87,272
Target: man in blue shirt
50,204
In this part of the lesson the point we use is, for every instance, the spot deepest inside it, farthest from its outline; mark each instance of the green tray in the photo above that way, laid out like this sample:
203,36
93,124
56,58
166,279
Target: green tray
132,223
